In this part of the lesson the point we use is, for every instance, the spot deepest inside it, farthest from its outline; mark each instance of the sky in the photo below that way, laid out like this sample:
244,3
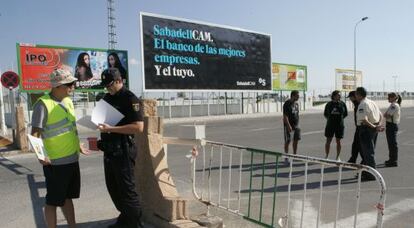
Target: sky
317,33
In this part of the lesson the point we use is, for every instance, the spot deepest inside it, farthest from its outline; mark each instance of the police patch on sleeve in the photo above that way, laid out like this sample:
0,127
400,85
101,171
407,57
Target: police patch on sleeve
135,107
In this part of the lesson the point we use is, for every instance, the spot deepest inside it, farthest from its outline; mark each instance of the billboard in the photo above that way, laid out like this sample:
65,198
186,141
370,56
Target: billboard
36,62
289,77
345,79
180,54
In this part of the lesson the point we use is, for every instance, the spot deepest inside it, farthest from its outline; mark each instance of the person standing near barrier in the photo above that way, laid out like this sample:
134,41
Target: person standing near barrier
54,121
392,117
117,143
356,147
369,119
291,121
335,112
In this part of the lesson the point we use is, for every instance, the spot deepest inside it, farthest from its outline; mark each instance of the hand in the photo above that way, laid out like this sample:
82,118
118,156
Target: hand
84,150
379,128
103,127
290,129
45,162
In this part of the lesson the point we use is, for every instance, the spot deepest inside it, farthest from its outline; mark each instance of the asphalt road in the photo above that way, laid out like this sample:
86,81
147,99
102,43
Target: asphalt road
22,187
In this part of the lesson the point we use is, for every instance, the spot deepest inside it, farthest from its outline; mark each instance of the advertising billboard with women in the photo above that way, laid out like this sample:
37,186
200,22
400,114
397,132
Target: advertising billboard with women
180,54
36,62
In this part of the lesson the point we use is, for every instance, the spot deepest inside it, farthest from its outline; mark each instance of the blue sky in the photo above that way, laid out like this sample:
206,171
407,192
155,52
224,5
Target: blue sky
317,33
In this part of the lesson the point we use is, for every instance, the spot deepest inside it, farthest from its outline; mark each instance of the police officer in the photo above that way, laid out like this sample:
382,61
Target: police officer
392,117
335,112
119,149
369,119
291,121
355,143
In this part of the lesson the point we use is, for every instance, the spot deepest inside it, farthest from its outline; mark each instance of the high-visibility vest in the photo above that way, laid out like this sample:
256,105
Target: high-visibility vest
60,137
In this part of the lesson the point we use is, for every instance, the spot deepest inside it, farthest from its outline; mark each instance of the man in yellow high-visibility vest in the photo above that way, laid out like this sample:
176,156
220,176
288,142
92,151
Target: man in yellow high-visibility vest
54,121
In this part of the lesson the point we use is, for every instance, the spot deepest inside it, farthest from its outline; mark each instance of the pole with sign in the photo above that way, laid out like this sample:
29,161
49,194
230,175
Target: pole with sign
10,80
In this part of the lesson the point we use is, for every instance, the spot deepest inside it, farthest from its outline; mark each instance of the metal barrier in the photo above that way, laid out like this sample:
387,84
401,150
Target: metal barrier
226,190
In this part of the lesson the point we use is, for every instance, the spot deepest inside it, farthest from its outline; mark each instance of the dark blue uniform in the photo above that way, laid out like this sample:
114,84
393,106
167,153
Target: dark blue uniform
119,159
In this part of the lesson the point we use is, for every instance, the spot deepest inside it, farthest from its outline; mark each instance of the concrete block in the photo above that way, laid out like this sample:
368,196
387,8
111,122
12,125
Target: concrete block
210,221
192,132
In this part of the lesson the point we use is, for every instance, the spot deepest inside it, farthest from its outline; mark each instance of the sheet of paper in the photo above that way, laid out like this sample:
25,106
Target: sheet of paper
37,147
105,113
86,121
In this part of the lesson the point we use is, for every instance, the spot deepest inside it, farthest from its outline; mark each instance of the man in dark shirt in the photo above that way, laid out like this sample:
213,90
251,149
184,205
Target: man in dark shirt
291,121
355,143
335,112
119,149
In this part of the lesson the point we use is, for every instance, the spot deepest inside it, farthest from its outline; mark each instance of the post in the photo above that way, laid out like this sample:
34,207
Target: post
2,118
355,79
13,114
225,101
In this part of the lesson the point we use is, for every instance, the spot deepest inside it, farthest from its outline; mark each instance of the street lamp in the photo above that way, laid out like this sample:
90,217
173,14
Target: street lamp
362,19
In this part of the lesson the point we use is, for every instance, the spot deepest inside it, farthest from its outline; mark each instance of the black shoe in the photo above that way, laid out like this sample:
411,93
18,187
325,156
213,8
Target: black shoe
390,163
367,177
352,160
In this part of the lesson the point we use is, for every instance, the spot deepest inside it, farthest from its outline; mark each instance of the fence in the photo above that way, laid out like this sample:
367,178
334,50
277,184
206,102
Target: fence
266,190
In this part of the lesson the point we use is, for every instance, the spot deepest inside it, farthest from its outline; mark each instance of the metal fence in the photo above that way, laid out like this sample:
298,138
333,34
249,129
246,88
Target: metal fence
274,189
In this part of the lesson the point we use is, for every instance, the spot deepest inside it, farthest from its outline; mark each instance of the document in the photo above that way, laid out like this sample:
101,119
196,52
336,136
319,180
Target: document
37,147
105,113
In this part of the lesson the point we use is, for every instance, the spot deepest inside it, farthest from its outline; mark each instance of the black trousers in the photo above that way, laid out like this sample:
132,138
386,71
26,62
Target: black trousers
120,182
368,140
356,147
391,130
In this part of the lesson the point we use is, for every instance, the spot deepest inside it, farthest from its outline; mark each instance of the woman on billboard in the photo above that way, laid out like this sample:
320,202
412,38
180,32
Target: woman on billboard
114,62
83,70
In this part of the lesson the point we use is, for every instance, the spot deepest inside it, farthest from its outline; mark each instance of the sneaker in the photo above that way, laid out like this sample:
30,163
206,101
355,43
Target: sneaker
367,177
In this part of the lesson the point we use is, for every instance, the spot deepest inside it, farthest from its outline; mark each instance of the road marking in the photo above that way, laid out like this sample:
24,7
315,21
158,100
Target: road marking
400,132
263,128
313,132
409,117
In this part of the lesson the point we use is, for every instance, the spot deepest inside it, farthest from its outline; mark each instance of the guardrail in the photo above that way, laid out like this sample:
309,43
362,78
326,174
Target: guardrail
243,165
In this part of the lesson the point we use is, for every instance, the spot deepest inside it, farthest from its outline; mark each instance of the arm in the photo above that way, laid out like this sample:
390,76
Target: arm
128,129
327,110
345,110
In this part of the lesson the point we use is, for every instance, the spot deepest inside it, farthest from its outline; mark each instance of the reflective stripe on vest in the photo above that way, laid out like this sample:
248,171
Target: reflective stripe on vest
60,136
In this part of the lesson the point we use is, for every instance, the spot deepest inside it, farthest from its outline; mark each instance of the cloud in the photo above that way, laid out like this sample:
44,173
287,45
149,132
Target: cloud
133,61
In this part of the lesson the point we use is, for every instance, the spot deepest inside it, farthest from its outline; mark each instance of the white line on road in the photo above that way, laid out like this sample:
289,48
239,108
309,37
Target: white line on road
400,132
263,128
313,132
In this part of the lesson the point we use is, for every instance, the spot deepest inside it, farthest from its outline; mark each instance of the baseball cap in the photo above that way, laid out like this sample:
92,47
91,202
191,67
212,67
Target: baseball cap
60,76
351,94
109,75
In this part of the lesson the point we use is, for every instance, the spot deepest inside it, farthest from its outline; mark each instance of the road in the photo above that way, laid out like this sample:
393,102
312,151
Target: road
22,184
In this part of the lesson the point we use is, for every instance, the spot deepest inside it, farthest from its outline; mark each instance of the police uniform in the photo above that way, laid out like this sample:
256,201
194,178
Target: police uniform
392,121
335,112
119,159
368,135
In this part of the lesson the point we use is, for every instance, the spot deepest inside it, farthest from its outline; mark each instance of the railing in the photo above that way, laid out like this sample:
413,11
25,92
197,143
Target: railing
246,188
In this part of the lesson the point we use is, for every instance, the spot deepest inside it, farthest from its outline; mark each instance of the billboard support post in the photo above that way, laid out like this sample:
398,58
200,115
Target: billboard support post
241,104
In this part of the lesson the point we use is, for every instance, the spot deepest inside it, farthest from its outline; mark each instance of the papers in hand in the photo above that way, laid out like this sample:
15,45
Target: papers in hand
105,113
37,147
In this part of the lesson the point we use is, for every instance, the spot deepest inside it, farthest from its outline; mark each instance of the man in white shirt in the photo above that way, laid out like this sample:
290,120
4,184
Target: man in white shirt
369,119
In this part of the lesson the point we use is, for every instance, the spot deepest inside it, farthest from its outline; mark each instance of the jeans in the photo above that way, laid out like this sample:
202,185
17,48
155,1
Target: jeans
391,133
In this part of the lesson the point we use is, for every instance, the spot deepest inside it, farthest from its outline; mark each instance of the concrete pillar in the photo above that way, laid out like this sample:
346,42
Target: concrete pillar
21,132
162,205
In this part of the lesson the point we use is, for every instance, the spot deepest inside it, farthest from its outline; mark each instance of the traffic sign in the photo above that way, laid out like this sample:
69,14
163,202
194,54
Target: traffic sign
9,79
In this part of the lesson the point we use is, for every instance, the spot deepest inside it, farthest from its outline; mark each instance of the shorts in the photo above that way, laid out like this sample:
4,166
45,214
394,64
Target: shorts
288,135
338,131
62,182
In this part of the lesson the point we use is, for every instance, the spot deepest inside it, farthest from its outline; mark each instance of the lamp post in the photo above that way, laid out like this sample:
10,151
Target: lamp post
362,19
395,83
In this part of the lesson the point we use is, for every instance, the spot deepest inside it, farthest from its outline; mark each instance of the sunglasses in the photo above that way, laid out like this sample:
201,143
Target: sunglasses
69,84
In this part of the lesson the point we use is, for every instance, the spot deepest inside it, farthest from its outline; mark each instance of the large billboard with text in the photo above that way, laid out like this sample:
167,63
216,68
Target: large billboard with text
36,62
289,77
180,54
347,80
